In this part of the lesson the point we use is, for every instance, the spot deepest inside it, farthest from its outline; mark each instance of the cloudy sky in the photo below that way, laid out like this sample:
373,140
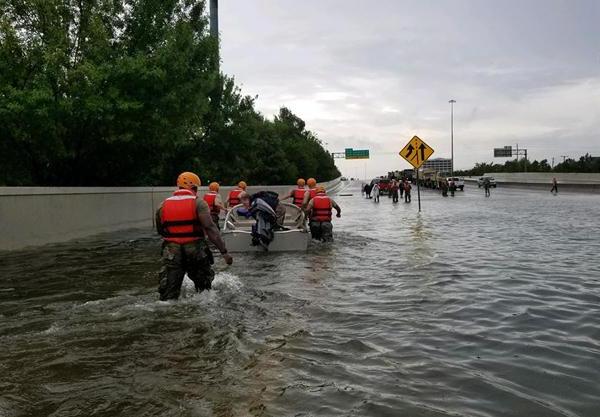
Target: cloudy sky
371,74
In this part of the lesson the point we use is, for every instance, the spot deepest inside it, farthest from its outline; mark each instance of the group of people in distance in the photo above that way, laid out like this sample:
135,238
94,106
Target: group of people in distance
397,189
185,221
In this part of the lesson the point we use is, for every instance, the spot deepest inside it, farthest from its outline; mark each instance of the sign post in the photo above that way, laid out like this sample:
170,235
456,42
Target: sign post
418,191
416,152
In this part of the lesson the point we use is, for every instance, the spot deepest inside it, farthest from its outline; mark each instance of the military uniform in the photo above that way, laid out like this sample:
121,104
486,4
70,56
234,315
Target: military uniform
185,249
194,258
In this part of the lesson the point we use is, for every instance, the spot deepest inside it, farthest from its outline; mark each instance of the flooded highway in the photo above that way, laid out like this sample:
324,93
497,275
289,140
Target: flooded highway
475,307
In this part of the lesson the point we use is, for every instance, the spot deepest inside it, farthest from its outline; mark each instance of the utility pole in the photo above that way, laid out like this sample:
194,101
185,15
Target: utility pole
452,137
564,157
552,162
214,30
214,18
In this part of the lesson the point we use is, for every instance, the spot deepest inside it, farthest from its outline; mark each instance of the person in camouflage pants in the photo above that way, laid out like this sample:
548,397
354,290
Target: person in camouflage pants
184,222
194,258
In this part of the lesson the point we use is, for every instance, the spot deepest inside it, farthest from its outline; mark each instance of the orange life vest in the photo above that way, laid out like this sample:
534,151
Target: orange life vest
321,211
234,197
210,198
299,196
179,218
313,193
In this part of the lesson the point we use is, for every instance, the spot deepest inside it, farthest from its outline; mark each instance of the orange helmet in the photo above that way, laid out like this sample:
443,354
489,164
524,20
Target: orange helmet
320,189
188,180
311,182
242,185
214,186
300,182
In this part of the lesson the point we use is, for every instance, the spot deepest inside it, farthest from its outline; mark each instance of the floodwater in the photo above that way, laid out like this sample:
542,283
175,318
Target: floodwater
475,307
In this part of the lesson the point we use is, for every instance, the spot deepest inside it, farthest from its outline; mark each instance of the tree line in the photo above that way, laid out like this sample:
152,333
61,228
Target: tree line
128,92
586,163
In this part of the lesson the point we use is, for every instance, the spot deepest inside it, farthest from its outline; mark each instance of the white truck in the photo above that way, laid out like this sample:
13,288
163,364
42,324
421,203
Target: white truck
459,183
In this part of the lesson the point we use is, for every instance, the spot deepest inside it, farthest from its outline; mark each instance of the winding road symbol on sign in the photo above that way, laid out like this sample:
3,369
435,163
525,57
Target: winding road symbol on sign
416,152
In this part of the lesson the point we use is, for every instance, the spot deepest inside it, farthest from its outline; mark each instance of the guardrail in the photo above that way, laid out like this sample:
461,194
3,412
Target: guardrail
580,178
31,216
578,182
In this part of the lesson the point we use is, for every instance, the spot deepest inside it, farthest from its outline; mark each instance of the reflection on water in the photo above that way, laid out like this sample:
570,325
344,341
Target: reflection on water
475,307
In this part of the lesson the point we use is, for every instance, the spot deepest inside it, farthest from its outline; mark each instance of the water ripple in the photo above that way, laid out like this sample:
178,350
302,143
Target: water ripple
474,307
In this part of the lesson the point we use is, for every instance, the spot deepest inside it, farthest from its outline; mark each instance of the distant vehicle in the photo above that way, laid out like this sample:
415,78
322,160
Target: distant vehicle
384,185
344,179
481,181
408,174
458,182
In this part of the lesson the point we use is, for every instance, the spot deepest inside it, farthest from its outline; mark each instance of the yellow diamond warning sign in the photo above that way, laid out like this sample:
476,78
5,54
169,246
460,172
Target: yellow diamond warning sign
416,152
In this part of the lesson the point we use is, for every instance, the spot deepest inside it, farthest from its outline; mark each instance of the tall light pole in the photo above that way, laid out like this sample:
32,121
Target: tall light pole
452,137
214,31
214,18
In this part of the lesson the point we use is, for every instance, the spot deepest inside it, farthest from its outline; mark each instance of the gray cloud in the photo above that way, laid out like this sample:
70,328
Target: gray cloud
372,74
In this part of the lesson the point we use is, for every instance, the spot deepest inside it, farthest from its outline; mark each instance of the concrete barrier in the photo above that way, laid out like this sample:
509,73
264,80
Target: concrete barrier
31,216
571,181
546,177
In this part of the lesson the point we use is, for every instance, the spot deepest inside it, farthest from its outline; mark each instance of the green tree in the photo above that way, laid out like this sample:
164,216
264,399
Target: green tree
124,92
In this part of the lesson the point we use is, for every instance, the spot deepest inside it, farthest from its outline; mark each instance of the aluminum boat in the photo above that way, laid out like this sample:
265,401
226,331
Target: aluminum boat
237,232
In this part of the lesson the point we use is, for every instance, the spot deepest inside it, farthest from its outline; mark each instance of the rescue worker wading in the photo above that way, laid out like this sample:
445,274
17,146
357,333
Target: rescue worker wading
319,210
296,194
311,192
183,220
234,195
215,204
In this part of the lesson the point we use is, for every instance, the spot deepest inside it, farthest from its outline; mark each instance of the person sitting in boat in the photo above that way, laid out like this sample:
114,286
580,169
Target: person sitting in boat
311,192
263,206
245,202
233,199
215,204
296,194
319,211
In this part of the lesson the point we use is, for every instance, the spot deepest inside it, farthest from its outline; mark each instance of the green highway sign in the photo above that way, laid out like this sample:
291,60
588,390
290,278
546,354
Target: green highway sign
356,153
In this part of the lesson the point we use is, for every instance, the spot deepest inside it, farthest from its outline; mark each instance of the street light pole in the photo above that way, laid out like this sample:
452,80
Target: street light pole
214,31
214,18
452,137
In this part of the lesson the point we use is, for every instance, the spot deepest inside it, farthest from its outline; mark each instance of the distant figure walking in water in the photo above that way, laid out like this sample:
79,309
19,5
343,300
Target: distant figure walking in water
395,187
486,187
407,188
375,192
367,191
401,187
554,186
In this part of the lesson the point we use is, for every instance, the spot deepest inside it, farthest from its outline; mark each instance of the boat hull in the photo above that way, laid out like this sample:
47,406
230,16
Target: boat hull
289,240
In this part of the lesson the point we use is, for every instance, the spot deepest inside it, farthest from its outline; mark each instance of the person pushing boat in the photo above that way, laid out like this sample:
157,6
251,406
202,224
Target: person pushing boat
319,210
184,221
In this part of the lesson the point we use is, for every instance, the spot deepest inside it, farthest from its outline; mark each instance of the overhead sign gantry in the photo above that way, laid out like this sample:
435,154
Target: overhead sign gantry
350,153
